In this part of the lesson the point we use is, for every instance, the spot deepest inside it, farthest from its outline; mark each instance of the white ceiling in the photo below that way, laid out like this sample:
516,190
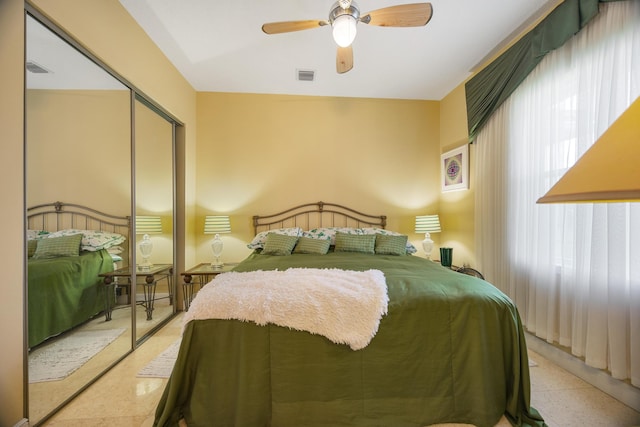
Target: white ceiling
219,45
67,68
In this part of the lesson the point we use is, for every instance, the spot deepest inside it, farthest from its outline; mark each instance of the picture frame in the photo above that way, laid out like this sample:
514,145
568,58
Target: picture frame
455,169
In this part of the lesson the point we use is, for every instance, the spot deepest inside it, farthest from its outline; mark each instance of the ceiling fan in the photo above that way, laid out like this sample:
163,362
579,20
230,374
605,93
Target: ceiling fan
345,15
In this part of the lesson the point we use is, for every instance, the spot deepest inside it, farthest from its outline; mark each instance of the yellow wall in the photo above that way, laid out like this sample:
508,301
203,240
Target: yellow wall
258,154
457,208
79,148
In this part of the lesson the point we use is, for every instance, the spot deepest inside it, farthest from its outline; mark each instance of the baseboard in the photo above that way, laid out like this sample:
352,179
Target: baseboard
620,390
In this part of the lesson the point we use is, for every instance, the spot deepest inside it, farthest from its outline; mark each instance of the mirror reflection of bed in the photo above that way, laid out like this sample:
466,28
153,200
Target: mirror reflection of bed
80,134
78,144
69,339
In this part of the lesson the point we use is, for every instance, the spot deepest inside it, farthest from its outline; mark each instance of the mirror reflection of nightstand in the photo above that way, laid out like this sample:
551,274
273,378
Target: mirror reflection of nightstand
203,273
152,275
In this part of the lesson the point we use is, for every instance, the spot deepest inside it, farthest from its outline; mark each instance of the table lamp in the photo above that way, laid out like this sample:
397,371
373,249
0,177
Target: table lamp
217,224
146,225
427,224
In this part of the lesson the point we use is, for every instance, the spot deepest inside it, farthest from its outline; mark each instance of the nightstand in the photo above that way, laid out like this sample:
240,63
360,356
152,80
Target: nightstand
468,271
465,270
203,273
151,276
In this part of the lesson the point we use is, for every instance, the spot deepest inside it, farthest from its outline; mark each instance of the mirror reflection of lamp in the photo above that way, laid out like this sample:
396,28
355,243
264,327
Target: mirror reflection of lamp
217,224
147,225
427,224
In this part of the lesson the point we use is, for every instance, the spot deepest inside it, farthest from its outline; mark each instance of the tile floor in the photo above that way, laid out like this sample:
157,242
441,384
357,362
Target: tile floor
121,399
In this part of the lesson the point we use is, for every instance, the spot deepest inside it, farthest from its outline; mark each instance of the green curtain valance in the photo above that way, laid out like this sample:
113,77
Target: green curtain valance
488,89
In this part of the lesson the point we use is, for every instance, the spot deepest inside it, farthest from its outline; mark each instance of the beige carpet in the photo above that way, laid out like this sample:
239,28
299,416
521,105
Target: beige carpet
60,358
162,365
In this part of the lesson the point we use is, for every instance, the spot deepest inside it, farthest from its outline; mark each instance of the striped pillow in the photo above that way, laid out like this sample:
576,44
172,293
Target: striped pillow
309,245
58,246
279,244
364,243
391,245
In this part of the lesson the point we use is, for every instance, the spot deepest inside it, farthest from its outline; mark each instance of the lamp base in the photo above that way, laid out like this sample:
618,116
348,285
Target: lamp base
145,265
427,245
217,264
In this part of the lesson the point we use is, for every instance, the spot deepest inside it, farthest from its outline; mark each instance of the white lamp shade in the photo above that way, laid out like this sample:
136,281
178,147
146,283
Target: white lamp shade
148,225
217,224
428,224
344,30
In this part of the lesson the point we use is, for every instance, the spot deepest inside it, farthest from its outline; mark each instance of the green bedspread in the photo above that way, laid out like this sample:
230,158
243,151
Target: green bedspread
450,349
64,292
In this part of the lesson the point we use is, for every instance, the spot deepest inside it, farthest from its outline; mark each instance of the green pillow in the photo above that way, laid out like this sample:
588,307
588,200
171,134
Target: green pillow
279,244
53,247
391,245
308,245
364,243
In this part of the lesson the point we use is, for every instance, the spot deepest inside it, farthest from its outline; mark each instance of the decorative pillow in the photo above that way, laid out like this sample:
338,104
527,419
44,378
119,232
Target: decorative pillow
92,240
258,241
330,232
31,247
409,247
355,243
36,234
115,250
308,245
279,244
58,246
391,245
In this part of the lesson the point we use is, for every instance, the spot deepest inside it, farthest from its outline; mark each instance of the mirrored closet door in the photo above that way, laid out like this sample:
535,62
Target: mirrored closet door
78,153
99,179
154,142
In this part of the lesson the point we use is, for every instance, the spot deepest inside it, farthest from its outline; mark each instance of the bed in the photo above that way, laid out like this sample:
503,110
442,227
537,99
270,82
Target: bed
69,245
448,347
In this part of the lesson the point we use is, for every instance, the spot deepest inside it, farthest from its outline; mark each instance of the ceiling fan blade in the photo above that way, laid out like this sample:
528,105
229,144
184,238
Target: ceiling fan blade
344,59
404,15
289,26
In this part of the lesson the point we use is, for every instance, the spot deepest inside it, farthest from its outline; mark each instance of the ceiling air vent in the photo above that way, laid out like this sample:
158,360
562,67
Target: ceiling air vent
36,68
306,75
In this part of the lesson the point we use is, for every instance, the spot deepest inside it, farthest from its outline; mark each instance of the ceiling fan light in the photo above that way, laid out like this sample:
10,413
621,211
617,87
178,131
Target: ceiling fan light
344,30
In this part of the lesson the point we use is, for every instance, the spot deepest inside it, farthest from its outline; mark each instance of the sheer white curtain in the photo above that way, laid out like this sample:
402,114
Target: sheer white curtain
573,269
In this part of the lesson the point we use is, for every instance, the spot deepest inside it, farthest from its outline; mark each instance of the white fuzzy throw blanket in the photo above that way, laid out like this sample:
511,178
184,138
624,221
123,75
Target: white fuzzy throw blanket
344,306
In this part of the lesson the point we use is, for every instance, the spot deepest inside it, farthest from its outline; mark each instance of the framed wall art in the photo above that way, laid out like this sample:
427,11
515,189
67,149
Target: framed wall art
455,169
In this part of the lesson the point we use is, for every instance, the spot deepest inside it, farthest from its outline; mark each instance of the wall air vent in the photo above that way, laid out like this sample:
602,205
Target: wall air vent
306,75
34,67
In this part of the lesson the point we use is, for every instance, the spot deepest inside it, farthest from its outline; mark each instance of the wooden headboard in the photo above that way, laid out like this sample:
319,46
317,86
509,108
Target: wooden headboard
319,214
